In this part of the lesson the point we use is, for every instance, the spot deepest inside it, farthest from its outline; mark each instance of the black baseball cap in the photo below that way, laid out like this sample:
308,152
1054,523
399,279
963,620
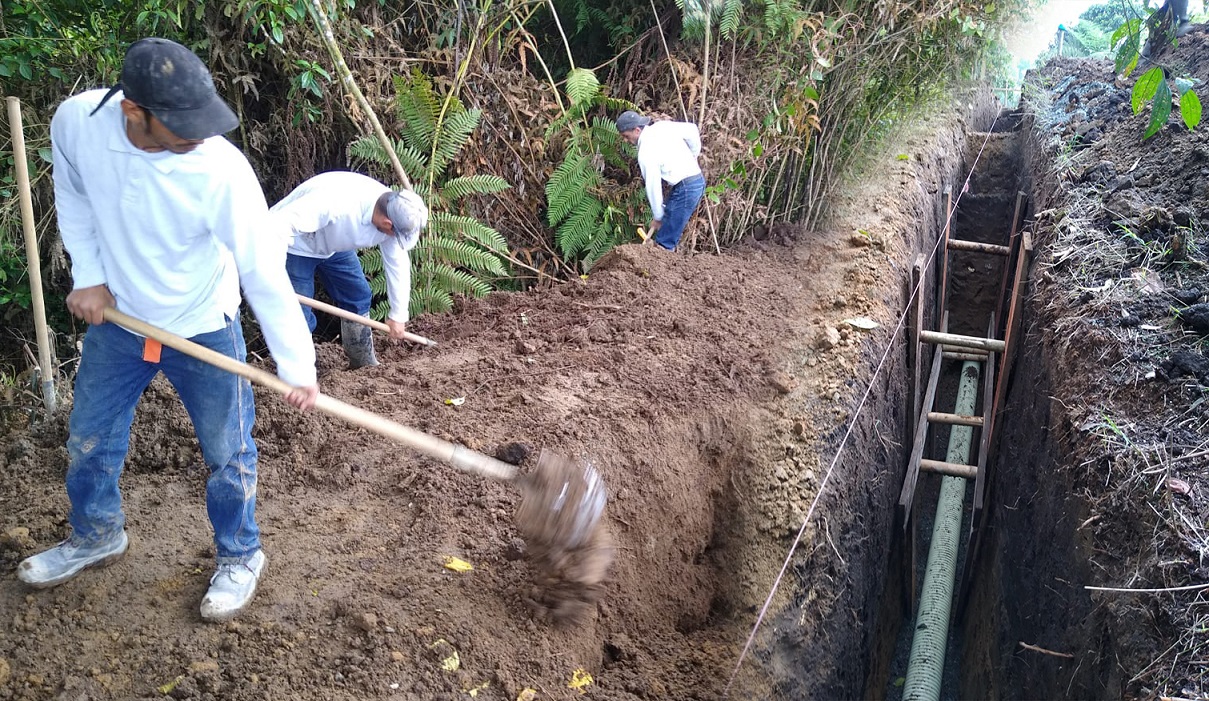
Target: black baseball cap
172,83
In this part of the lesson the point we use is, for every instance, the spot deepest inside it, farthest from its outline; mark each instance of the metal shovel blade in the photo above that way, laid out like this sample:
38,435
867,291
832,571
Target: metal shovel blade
562,502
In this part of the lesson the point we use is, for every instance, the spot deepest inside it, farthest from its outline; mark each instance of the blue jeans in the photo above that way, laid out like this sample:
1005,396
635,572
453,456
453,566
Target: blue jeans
681,201
111,378
341,276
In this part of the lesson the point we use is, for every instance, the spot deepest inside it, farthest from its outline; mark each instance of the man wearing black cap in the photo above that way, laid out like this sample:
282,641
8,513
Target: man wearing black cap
328,218
667,151
164,221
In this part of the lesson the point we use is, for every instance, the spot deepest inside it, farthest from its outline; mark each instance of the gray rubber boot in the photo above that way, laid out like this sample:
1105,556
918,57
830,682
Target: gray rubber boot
358,343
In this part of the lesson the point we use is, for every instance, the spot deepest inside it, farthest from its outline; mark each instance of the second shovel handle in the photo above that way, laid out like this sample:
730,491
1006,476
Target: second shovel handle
456,455
345,314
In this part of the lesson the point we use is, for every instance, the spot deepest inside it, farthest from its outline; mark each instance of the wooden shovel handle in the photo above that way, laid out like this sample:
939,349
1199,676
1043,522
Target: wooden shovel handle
453,454
345,314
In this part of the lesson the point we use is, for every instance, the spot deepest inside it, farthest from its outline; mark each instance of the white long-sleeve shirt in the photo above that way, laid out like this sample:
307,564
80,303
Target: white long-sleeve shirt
173,236
667,151
333,212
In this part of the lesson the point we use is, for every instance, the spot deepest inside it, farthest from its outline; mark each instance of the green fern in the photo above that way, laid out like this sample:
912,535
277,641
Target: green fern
586,225
732,16
457,255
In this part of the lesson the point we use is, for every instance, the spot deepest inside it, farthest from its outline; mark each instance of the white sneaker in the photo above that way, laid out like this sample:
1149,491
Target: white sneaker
67,559
232,588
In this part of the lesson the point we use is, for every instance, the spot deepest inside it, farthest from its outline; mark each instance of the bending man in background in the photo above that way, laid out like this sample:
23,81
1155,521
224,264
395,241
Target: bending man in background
164,220
667,151
330,217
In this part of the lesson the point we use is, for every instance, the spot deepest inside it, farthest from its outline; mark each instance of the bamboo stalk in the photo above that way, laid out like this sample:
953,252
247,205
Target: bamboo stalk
952,339
46,371
346,78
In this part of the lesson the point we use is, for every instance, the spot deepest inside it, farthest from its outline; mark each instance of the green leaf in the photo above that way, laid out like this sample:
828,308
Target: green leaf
1145,87
1127,55
1190,109
1159,111
45,153
582,86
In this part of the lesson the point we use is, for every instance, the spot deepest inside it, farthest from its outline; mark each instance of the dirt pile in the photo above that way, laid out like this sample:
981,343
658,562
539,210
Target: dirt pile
708,390
1111,412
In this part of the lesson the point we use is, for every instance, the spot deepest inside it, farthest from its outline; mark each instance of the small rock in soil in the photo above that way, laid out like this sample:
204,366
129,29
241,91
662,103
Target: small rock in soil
827,338
781,382
514,453
1196,317
1183,363
1189,296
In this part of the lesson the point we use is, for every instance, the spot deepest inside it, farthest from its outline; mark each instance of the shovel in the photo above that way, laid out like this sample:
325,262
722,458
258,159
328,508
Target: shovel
561,501
344,314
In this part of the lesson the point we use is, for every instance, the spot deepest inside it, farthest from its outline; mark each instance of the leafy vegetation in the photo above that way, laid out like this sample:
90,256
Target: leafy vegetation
1153,86
587,224
457,255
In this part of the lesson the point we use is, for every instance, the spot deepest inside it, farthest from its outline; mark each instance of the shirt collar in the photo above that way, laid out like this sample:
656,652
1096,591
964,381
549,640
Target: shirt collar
163,161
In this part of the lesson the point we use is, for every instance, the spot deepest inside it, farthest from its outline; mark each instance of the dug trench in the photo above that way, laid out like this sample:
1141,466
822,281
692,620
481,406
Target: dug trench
713,393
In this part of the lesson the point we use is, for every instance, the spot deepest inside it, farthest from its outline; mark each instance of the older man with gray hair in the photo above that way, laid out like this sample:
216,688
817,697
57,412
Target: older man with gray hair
667,151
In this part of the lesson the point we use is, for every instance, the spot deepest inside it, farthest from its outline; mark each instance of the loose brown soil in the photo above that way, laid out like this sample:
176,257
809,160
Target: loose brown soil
710,391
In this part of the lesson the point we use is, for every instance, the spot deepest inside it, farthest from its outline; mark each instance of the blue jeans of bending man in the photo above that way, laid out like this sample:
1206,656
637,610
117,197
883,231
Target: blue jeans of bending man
341,275
681,201
111,378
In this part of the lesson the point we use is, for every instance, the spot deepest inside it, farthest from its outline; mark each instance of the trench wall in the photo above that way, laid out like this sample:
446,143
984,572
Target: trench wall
1035,559
836,638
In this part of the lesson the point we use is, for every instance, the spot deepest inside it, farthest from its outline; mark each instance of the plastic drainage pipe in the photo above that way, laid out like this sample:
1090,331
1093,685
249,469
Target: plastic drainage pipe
926,666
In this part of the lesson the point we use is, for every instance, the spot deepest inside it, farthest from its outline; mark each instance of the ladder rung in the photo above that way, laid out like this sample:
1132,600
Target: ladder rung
952,339
974,246
956,419
975,357
959,349
948,468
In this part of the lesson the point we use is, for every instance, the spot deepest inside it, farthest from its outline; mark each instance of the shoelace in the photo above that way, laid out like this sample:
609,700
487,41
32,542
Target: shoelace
230,571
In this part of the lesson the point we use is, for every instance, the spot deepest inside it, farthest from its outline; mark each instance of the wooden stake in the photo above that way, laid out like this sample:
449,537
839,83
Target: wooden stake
47,370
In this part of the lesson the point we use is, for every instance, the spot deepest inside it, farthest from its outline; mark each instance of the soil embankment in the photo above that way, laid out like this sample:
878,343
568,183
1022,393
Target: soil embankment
711,392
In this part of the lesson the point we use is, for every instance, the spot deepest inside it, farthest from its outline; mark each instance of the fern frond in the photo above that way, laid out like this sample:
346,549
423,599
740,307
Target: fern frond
417,105
732,14
377,285
371,260
459,282
573,113
461,227
568,186
458,253
370,150
455,133
428,300
379,311
575,234
582,86
483,184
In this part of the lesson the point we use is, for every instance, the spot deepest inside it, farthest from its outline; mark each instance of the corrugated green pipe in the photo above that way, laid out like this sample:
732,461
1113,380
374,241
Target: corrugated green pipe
926,667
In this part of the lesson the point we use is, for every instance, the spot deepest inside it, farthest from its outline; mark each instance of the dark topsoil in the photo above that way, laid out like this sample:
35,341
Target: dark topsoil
1109,449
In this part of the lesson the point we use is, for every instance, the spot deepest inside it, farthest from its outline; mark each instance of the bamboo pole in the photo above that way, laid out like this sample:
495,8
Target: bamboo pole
346,77
47,370
976,247
952,339
949,468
